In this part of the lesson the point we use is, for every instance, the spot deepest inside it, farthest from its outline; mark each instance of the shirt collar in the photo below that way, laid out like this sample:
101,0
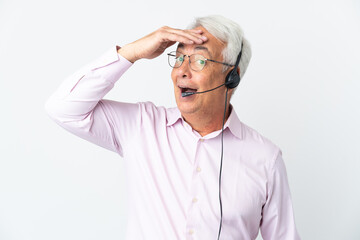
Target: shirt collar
233,122
172,116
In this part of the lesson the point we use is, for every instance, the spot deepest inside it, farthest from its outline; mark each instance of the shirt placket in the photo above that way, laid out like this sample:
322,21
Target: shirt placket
193,222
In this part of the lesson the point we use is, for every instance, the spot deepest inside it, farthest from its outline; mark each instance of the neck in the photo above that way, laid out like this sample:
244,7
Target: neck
207,122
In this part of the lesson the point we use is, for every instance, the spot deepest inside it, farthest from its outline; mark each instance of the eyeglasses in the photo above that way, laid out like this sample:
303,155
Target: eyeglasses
197,62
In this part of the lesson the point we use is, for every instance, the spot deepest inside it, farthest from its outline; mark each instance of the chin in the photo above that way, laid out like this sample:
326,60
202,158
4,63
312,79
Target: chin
186,108
187,105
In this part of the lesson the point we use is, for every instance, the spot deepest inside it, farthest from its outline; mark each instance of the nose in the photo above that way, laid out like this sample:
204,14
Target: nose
184,70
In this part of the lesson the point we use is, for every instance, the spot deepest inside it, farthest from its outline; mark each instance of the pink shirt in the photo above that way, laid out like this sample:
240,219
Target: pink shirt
172,171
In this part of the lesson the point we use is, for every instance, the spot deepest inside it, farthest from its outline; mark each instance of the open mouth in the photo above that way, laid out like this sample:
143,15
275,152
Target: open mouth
184,89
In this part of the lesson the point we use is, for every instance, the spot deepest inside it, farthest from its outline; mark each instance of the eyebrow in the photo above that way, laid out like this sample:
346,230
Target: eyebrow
198,47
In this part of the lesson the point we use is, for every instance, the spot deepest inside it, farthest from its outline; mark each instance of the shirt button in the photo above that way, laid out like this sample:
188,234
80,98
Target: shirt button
194,200
198,169
191,231
201,139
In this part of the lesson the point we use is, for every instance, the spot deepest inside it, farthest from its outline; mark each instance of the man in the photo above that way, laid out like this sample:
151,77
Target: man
187,178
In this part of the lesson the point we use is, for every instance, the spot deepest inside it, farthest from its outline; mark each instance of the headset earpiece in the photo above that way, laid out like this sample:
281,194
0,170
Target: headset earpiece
232,79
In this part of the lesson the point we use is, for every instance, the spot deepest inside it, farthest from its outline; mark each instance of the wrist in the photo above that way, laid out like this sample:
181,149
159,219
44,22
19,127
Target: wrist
127,53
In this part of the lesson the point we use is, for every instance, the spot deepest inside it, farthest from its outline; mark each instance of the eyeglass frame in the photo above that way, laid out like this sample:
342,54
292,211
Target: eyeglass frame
205,59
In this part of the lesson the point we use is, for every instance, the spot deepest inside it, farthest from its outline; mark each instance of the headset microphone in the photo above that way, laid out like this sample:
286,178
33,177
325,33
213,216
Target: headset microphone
186,94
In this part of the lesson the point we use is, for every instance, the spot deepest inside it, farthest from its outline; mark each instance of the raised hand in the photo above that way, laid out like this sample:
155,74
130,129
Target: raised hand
155,43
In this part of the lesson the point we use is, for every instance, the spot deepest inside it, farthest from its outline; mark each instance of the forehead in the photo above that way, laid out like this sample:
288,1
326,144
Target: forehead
213,45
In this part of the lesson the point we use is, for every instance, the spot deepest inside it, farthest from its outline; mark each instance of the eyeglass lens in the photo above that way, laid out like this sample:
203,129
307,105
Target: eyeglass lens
197,61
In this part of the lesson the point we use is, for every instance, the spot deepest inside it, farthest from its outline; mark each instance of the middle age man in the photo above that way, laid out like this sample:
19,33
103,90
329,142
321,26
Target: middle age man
173,156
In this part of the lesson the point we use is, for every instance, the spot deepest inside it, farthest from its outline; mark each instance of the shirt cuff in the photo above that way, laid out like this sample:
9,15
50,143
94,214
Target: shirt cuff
110,57
111,65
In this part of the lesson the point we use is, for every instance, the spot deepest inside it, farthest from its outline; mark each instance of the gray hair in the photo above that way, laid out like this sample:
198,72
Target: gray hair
230,33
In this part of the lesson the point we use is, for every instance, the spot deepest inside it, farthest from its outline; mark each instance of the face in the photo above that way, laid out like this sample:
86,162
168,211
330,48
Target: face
186,79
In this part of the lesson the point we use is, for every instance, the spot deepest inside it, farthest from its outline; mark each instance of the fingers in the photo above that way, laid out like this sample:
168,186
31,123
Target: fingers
193,36
189,36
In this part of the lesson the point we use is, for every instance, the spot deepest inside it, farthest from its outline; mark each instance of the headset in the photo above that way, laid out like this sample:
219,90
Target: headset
232,80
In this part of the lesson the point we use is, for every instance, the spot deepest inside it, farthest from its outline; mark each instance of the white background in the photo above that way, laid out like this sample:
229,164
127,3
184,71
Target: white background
300,90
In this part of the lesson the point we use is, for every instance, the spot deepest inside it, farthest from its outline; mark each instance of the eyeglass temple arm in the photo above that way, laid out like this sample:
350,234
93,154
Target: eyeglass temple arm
230,65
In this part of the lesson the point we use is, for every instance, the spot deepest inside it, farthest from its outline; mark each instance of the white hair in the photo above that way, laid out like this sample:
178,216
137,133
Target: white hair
230,33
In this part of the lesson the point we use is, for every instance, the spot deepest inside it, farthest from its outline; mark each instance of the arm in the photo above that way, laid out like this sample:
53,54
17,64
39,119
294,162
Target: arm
77,104
278,221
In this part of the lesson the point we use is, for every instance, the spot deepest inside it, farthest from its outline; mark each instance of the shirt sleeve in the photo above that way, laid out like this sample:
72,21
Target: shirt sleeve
77,104
278,221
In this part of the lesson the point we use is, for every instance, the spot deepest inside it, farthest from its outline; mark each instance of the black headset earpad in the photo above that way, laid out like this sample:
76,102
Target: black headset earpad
232,79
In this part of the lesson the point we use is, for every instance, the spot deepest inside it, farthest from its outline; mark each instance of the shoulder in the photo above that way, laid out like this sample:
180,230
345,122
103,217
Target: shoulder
150,110
158,114
259,146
